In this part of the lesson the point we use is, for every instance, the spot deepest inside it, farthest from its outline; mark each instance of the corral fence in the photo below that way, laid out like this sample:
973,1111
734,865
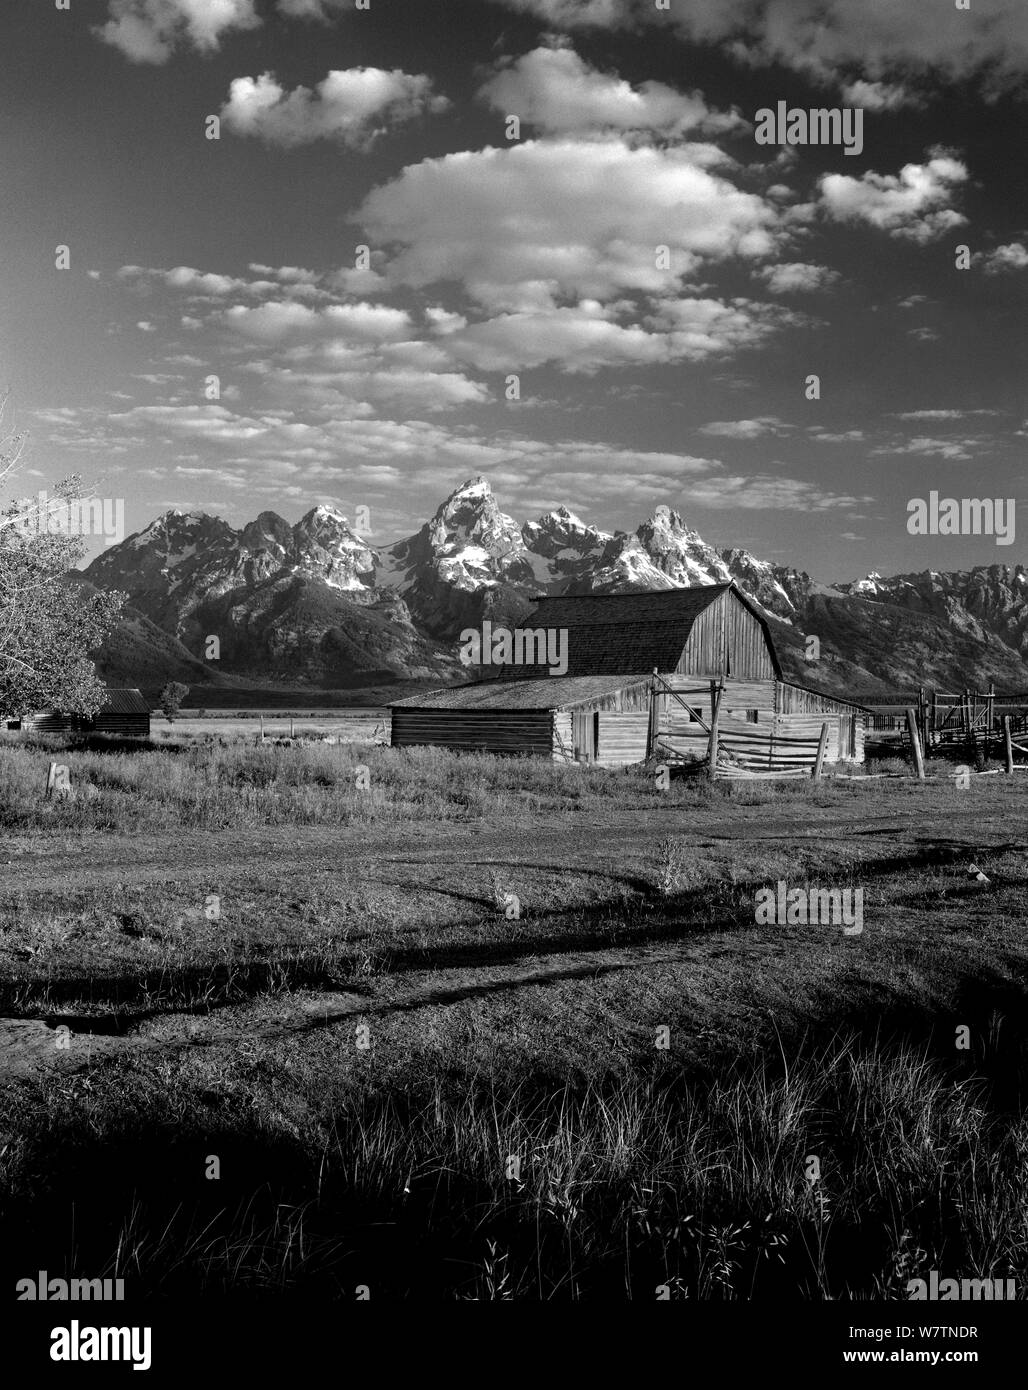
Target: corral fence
969,721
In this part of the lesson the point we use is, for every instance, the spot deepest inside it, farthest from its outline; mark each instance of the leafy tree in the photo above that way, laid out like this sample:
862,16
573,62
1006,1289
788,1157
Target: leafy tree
48,625
171,699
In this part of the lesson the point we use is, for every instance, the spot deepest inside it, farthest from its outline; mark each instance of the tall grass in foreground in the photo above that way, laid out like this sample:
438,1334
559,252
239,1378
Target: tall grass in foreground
236,785
605,1191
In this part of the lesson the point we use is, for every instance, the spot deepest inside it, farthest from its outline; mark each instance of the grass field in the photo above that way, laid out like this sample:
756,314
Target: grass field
470,1028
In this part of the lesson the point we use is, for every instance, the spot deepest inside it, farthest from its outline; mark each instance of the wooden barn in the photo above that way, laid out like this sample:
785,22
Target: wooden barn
636,664
123,712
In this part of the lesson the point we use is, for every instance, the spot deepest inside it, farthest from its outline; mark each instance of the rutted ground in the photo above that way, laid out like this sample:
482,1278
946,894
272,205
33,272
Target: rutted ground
402,928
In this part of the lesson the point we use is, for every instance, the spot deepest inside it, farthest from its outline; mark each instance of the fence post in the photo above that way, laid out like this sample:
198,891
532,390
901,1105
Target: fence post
713,734
1007,745
821,753
915,743
651,746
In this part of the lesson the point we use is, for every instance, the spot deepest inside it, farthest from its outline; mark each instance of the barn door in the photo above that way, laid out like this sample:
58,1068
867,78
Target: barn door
583,730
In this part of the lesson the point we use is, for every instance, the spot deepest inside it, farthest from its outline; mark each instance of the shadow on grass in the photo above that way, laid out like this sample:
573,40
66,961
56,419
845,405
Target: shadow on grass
613,924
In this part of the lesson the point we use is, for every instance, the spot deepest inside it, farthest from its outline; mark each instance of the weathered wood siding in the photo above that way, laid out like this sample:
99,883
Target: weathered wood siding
740,698
135,724
56,722
623,739
563,745
488,731
727,628
53,722
793,700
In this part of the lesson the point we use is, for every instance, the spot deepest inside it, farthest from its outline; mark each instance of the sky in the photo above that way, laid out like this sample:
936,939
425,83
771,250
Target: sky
644,376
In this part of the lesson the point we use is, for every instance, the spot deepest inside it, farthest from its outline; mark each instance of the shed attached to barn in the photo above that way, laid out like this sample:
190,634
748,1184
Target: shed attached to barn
602,719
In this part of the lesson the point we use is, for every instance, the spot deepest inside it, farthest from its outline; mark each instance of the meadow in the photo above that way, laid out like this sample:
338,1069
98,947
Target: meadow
323,1018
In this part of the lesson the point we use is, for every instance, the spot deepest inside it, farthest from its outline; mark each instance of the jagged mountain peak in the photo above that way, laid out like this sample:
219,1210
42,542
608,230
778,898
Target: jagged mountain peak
315,596
562,530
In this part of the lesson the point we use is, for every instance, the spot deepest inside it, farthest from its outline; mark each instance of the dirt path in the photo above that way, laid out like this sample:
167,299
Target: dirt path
415,856
103,859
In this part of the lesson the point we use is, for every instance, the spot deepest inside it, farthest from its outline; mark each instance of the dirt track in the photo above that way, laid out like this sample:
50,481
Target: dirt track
443,859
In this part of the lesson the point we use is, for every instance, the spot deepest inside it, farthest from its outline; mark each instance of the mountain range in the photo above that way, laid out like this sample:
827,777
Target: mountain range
315,604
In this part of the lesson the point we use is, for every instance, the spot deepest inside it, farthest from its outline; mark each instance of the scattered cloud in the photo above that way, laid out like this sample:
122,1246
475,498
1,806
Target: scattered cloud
149,31
846,437
879,96
796,277
353,106
913,205
758,428
854,41
1013,256
553,90
942,414
956,450
278,320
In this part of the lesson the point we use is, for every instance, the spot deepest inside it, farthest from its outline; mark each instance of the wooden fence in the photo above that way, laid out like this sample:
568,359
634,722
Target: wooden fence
732,748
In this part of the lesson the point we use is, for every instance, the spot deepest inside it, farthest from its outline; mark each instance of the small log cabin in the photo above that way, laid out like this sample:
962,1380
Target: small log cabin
608,708
123,712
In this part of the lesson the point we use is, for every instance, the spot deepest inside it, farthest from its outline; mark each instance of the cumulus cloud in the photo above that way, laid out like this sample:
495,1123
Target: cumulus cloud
1013,256
521,226
149,31
913,205
553,90
353,106
796,277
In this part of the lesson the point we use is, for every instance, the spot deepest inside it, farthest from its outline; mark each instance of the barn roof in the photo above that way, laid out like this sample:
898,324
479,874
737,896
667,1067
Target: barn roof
548,692
126,701
623,634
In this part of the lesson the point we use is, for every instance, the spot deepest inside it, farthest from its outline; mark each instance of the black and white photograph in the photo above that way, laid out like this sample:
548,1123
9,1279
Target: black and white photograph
513,676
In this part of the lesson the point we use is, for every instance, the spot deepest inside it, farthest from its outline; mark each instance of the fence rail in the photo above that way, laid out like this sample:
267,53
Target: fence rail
731,747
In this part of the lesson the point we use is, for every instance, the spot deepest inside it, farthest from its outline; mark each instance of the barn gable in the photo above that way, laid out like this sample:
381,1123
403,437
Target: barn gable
707,630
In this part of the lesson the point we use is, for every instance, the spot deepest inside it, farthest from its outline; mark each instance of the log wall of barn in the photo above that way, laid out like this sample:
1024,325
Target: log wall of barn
137,724
727,620
53,722
487,731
